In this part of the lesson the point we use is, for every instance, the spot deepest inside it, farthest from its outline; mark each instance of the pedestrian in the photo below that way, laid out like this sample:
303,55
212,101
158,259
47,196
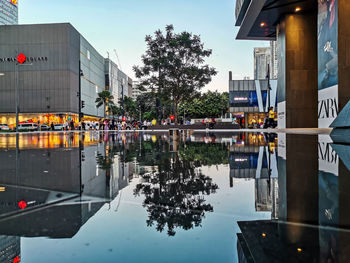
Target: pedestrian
271,117
52,126
212,123
105,125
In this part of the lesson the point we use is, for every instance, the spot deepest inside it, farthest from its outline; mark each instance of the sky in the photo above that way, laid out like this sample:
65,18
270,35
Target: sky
122,25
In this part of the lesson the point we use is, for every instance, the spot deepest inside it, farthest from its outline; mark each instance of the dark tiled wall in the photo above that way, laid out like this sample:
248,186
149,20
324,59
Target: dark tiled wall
299,31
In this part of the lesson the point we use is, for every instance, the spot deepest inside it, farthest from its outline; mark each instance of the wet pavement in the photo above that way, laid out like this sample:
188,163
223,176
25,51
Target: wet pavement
149,197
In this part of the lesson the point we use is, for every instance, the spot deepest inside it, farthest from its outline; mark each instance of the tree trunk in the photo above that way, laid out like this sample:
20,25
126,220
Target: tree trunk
176,113
104,110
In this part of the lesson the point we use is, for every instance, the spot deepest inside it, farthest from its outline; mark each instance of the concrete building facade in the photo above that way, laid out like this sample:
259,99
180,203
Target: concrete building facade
92,79
117,82
48,81
8,12
262,60
265,59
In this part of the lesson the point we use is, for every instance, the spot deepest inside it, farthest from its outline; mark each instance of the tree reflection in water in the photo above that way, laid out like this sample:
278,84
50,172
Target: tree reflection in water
175,189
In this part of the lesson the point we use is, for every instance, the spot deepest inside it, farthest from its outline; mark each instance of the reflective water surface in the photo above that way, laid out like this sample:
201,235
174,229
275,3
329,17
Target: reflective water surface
108,197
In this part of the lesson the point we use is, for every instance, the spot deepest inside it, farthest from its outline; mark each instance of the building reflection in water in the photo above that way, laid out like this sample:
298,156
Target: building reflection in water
50,184
312,222
10,248
253,157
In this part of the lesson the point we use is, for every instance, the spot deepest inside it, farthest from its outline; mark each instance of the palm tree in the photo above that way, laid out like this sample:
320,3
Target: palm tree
115,110
105,98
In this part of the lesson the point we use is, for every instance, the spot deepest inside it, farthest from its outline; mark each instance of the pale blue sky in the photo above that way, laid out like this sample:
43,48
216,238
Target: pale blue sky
123,24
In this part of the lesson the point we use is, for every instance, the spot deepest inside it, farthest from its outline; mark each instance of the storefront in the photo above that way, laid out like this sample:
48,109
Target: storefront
256,120
40,118
249,101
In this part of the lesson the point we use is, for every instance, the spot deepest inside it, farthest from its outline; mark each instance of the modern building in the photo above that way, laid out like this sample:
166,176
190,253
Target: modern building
130,86
265,60
10,248
58,78
117,82
136,90
274,60
250,99
262,61
313,59
92,66
8,12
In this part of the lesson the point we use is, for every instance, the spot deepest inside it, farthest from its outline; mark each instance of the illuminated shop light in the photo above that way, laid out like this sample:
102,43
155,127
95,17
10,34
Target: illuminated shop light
240,98
241,160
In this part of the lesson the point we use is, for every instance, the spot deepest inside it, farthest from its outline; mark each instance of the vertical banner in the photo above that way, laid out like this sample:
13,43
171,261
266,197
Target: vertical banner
281,82
328,190
327,62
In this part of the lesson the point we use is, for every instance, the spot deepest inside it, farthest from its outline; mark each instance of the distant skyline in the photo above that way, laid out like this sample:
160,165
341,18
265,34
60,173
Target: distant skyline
123,25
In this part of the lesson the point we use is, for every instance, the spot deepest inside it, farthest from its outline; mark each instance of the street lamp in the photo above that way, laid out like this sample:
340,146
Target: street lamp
81,74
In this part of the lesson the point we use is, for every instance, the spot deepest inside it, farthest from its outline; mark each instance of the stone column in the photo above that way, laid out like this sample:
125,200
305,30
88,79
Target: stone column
297,81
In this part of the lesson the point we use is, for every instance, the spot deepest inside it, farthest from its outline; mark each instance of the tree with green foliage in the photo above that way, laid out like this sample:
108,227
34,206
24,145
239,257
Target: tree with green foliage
105,99
146,104
174,66
130,107
115,110
175,192
209,104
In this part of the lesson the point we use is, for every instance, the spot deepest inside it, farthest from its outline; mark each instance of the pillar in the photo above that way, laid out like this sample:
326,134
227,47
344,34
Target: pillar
297,80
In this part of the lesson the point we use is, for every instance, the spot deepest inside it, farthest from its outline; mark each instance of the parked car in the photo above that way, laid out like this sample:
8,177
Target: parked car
4,127
44,127
58,127
27,127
